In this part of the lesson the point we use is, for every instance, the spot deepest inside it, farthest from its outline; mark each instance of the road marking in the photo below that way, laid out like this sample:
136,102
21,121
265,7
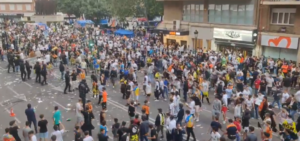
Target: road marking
17,95
61,105
9,113
28,84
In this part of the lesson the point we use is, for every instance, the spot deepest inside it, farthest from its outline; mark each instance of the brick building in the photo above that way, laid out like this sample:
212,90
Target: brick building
242,25
16,9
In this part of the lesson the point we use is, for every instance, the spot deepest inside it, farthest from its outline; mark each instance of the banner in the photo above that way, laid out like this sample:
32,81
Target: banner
291,127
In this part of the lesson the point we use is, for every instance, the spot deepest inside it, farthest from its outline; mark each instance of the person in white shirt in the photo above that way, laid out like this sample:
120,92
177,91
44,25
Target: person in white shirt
87,136
191,106
270,82
32,136
172,108
79,108
83,65
58,133
215,135
172,124
238,110
285,96
148,90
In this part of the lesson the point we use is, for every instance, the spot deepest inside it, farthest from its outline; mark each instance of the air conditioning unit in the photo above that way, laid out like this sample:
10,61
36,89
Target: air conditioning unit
176,25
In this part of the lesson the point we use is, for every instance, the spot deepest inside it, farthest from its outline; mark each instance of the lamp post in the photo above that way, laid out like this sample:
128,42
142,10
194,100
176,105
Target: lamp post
196,35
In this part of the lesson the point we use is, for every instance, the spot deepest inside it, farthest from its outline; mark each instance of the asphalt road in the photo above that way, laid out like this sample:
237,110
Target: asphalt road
17,94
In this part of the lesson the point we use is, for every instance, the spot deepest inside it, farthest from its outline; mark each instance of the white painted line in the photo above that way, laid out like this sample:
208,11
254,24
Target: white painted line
28,84
61,105
9,113
13,91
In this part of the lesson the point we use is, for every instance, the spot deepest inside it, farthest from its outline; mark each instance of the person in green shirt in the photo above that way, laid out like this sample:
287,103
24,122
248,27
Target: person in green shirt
56,116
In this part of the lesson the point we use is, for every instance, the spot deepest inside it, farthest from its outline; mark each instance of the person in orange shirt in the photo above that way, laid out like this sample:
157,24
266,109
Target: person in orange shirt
146,108
104,98
284,69
89,104
82,74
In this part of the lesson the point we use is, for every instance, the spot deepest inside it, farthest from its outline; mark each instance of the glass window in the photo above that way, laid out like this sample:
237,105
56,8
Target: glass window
19,7
218,14
211,13
283,16
193,12
28,7
233,14
2,7
11,7
241,14
197,9
225,13
249,14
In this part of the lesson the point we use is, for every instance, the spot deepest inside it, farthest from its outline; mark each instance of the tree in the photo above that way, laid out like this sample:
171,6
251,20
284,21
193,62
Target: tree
123,8
154,8
69,7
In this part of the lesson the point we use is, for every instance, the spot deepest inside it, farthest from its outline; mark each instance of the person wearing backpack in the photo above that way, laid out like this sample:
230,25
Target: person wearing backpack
231,130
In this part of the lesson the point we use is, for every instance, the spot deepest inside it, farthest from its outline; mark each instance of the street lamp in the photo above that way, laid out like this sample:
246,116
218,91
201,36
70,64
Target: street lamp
196,35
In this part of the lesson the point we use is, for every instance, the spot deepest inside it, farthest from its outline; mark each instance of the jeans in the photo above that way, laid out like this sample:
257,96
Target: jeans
255,91
278,103
256,111
166,92
143,137
62,75
17,68
292,113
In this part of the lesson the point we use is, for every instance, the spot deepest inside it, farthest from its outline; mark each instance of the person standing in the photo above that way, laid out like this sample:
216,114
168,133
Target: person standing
104,100
22,69
79,115
26,131
88,137
56,116
37,69
113,76
59,129
43,133
44,74
7,136
74,80
62,70
88,117
217,107
10,59
28,69
67,81
13,130
31,116
189,125
83,90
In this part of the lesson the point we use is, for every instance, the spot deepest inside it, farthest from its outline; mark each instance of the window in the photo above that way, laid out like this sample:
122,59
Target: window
19,7
2,7
193,12
11,7
283,16
231,14
28,7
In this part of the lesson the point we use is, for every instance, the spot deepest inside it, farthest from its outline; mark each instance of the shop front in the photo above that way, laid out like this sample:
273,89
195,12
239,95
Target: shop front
201,38
173,37
280,47
239,41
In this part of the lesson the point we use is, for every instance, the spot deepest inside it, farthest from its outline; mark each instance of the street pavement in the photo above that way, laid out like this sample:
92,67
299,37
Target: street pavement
17,94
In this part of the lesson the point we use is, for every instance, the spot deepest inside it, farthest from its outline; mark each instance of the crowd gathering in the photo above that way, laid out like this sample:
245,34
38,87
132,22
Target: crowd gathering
185,78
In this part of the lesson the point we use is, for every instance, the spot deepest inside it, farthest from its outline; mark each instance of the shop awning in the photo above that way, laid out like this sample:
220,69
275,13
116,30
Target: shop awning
170,32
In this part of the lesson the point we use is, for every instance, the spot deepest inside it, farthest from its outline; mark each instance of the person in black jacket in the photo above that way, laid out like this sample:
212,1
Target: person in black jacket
28,69
102,136
68,83
10,59
180,114
185,89
62,70
17,63
113,76
44,73
83,90
178,133
122,130
22,69
37,69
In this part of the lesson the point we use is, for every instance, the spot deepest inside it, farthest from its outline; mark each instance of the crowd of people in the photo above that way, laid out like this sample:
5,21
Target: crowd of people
183,77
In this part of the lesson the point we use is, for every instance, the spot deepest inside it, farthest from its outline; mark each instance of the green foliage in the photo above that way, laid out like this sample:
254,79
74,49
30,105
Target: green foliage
90,8
154,8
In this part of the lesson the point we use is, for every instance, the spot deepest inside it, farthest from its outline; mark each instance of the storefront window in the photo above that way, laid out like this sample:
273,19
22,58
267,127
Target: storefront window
241,14
193,12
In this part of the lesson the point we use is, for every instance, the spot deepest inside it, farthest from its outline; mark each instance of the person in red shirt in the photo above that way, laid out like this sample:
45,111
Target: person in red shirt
256,84
238,125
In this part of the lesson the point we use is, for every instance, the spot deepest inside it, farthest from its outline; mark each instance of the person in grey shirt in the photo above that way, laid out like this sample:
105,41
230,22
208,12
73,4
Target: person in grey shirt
217,106
26,131
251,136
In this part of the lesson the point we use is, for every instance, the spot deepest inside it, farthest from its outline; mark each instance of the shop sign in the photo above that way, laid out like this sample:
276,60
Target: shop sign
232,34
174,33
279,41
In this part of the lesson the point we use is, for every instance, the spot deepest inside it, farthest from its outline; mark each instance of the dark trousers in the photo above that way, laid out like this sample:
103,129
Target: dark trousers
189,131
44,81
68,85
185,95
100,98
34,124
28,73
38,77
23,75
10,65
83,99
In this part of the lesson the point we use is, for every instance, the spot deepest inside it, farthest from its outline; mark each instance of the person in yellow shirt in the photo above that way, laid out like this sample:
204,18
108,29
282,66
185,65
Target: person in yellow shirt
137,93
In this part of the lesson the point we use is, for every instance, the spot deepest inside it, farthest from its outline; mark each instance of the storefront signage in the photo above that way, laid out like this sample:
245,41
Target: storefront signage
174,33
279,41
232,34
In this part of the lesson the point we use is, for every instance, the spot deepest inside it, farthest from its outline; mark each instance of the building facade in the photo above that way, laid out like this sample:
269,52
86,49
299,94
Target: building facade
16,9
253,27
279,29
213,24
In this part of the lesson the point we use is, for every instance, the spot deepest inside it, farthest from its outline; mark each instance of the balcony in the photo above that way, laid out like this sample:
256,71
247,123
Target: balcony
280,2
